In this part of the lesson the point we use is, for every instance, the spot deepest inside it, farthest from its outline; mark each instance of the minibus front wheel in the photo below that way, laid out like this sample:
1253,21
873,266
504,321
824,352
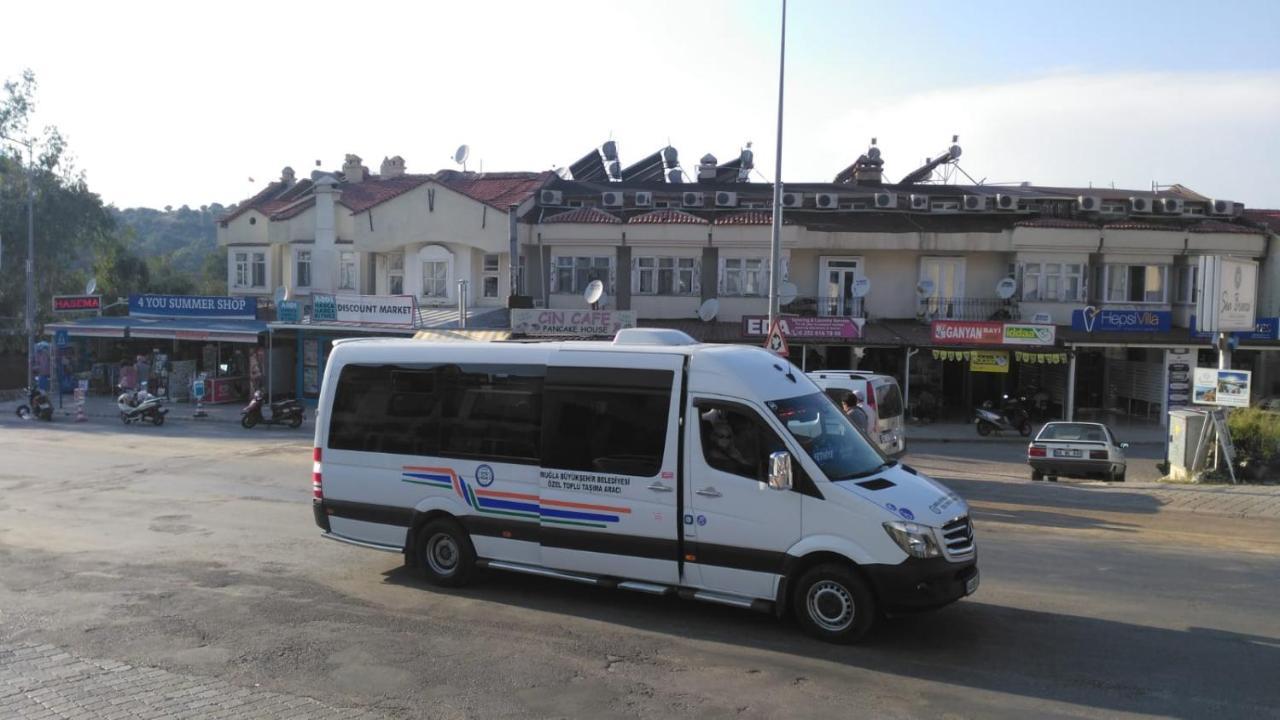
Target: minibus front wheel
445,554
833,604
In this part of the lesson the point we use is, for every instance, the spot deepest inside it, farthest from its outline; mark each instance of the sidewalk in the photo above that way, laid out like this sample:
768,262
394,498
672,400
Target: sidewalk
1135,434
98,408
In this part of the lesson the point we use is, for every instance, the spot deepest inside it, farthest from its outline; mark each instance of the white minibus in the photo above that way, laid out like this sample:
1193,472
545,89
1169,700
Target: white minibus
650,463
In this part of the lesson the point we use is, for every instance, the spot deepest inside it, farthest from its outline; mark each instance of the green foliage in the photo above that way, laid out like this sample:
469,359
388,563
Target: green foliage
185,236
1256,435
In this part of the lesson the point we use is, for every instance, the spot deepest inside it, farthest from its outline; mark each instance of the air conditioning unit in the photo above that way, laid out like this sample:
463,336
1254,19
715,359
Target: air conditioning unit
644,198
1089,203
792,199
1222,207
1006,202
919,202
1139,205
726,199
691,199
551,197
612,198
1170,206
886,200
975,202
827,201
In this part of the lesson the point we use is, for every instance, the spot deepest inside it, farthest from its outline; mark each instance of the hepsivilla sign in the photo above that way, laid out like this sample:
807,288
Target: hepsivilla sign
366,309
575,323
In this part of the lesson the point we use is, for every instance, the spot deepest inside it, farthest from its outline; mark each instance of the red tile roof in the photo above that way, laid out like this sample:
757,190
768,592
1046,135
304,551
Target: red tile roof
1218,226
257,202
667,216
498,190
1269,218
1141,225
295,210
374,191
584,215
752,217
1060,223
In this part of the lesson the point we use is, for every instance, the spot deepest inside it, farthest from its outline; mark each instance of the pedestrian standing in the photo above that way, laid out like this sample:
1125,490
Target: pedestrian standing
852,405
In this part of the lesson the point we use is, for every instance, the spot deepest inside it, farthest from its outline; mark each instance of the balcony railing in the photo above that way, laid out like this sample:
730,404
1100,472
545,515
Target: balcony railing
941,308
824,307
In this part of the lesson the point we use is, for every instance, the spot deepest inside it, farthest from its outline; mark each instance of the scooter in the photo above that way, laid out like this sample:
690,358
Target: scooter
141,406
38,405
1012,417
282,412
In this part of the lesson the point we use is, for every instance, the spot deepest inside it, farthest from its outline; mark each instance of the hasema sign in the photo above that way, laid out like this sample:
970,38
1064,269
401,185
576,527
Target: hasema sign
574,323
989,332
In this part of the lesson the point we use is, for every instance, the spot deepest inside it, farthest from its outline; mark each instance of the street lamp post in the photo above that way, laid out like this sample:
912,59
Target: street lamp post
775,241
31,255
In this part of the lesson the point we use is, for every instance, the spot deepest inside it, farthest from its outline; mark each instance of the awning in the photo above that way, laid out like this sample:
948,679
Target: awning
198,329
463,335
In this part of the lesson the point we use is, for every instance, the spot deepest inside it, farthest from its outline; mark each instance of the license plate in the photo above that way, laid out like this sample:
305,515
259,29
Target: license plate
971,585
1066,453
886,438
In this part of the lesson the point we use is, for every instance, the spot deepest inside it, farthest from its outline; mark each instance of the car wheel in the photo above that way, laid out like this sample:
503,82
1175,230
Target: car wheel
446,556
1036,475
833,604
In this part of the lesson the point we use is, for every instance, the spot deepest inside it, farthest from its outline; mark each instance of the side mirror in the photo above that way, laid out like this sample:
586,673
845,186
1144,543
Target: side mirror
780,470
1124,446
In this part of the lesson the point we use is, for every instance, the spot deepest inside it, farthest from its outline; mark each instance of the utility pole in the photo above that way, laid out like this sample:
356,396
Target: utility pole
775,244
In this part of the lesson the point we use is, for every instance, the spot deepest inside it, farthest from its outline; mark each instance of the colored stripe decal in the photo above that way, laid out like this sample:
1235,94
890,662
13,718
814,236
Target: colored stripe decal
508,505
585,506
571,515
513,496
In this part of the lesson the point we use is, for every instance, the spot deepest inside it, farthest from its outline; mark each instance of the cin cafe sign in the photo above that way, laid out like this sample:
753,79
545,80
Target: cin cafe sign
982,332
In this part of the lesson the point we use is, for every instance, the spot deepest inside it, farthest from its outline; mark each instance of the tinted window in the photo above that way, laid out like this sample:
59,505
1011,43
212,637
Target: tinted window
734,441
888,400
1082,432
482,411
839,449
608,421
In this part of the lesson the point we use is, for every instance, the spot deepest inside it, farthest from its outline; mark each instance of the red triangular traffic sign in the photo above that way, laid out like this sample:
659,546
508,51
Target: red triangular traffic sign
776,341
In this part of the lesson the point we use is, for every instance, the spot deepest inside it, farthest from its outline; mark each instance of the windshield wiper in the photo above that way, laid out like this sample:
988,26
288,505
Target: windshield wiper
868,473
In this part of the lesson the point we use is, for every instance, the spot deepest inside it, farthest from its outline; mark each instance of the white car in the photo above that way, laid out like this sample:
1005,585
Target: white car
882,401
1076,449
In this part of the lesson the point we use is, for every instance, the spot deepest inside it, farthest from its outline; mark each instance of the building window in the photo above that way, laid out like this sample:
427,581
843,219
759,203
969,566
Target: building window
259,262
664,276
1185,291
573,274
490,279
395,274
435,279
347,270
303,268
1053,282
1136,283
745,277
242,269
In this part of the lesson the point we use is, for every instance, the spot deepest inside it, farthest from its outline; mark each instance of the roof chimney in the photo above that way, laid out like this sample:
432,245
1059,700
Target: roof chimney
392,167
869,169
288,176
352,170
707,168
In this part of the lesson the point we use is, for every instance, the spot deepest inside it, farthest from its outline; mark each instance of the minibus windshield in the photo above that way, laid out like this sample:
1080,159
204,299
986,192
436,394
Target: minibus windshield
838,448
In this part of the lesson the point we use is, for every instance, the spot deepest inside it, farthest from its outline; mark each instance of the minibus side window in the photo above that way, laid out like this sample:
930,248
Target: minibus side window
736,440
619,427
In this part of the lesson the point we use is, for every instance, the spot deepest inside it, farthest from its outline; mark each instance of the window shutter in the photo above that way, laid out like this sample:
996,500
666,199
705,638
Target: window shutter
720,277
635,275
697,278
613,275
555,274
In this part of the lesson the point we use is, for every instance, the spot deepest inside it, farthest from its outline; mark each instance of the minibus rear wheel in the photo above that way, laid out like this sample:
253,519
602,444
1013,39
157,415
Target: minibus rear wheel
445,554
833,604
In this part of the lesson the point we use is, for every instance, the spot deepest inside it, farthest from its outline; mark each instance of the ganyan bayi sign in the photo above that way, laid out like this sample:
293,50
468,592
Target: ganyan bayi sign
576,323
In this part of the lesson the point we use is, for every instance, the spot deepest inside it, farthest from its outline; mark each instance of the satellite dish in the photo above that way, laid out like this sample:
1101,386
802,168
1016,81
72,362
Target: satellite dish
90,286
708,309
594,292
924,288
461,154
281,294
787,293
1006,288
861,286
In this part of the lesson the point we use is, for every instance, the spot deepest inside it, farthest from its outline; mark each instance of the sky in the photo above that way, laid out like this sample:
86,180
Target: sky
168,103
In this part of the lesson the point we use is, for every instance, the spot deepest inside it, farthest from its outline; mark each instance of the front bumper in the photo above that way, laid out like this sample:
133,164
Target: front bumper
917,584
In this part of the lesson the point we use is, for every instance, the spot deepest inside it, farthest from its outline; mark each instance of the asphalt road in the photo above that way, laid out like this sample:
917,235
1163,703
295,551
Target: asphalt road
191,548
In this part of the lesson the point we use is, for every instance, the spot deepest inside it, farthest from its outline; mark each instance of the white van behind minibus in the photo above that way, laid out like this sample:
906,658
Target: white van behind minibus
651,463
882,401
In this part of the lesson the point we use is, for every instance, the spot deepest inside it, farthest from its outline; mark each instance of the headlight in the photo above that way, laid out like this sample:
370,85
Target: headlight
915,540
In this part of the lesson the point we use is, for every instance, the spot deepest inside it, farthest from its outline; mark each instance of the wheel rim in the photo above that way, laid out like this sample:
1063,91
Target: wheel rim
442,554
831,606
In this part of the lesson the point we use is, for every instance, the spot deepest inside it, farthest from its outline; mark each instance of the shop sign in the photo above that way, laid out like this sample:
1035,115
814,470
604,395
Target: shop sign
1179,363
1264,329
76,303
990,361
1026,334
1228,293
1224,388
577,323
967,332
795,327
193,306
288,311
1092,319
366,309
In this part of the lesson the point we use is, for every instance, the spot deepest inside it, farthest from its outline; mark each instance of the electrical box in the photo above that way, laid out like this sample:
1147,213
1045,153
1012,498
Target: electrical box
1185,427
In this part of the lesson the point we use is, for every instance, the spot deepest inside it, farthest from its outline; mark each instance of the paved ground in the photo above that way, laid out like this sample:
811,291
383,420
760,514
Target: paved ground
151,569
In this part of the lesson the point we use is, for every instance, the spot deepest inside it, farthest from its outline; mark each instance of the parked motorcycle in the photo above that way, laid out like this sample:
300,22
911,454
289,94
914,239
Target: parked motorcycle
1013,416
282,412
141,406
38,405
